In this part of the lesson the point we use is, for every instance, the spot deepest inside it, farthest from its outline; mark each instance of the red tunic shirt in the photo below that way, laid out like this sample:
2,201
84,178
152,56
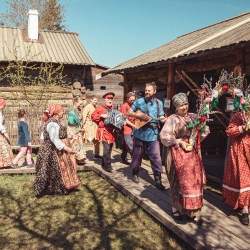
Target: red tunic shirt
124,109
104,133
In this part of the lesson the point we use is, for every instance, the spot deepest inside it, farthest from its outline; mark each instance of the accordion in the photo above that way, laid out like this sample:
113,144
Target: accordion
115,119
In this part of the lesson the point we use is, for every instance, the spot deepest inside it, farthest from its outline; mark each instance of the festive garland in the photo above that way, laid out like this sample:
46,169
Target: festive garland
209,99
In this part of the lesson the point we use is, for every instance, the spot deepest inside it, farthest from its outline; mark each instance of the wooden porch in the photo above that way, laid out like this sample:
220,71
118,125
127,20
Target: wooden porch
221,228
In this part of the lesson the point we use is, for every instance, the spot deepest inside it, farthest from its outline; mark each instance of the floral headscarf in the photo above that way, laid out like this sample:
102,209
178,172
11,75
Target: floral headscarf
52,110
179,99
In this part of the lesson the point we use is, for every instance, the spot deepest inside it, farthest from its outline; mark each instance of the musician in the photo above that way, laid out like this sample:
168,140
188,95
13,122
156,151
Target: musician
146,138
105,133
128,128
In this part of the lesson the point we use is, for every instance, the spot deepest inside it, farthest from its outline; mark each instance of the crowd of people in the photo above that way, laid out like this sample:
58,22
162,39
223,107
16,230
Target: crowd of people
62,149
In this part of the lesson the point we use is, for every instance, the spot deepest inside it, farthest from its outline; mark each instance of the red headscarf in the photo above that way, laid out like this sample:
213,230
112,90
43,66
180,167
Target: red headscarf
52,110
2,102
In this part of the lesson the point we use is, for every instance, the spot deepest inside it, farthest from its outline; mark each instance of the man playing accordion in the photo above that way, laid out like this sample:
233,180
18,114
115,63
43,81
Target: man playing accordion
105,133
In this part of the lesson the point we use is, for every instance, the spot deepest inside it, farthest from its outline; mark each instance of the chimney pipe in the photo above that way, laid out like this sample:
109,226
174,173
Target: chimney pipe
33,24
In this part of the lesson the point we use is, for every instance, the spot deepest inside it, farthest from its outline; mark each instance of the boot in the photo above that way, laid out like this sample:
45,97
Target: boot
158,182
135,176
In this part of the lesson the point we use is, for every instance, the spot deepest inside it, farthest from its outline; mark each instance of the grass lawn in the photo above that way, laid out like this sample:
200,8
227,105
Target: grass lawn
95,216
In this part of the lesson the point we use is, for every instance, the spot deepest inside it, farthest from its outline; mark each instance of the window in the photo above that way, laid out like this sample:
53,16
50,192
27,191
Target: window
102,87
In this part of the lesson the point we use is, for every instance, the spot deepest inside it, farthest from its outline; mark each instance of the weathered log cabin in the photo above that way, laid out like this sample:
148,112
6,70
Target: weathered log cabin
180,65
51,46
99,85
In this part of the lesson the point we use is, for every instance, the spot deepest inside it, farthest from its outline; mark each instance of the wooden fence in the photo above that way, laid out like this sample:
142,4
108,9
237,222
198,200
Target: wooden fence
34,120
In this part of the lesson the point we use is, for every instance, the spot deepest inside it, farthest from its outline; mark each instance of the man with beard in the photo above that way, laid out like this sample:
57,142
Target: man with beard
128,127
105,133
146,137
91,127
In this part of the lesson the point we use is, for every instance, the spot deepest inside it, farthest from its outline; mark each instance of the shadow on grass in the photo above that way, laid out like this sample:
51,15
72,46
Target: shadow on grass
94,216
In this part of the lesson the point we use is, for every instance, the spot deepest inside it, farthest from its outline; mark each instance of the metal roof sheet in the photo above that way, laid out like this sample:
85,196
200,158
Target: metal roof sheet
54,46
225,33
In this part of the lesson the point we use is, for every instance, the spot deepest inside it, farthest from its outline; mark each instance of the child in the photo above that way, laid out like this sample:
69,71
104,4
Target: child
23,141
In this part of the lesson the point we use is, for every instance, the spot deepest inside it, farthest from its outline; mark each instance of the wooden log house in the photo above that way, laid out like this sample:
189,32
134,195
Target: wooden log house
57,47
180,65
99,85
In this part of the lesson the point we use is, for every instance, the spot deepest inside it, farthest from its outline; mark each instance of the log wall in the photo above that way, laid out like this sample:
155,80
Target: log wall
169,83
111,83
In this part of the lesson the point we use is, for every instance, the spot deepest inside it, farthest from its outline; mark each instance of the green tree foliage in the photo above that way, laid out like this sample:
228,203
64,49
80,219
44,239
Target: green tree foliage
51,14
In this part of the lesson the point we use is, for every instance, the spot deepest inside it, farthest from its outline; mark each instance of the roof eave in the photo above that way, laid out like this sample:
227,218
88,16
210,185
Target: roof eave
181,57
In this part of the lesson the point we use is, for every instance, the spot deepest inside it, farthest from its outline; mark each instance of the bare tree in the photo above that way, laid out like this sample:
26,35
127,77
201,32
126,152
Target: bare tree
31,83
51,14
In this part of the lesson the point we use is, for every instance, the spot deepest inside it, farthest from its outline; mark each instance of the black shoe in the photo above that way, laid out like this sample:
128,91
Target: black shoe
30,165
195,220
14,165
123,161
81,163
158,182
135,178
244,219
177,216
97,157
160,186
108,169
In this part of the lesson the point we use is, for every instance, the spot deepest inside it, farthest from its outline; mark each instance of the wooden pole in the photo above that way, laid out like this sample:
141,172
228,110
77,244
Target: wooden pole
185,81
171,89
125,86
171,81
239,62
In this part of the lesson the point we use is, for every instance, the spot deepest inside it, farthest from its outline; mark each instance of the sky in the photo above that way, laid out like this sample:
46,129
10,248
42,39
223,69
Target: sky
114,31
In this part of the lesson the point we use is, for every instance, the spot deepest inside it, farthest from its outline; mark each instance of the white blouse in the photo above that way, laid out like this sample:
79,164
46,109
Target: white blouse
2,128
167,134
53,130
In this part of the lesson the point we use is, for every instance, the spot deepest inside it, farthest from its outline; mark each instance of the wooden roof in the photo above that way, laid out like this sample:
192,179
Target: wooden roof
228,32
52,46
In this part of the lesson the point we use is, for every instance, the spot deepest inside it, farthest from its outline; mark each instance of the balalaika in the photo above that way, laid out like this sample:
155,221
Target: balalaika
115,118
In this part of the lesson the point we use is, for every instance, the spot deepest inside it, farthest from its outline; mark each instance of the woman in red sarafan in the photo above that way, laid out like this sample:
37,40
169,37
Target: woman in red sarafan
236,181
184,168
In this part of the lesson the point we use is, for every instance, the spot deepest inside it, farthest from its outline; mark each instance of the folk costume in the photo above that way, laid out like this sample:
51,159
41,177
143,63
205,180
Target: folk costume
105,133
6,155
23,140
75,134
184,169
236,181
146,139
90,128
127,130
55,168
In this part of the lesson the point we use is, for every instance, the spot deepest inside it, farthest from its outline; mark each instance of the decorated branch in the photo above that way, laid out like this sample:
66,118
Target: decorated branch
209,99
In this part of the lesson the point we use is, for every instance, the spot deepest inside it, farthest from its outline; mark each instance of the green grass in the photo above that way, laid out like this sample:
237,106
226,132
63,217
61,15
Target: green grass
95,216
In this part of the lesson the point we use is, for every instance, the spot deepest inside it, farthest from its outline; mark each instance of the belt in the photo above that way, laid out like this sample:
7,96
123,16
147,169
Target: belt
152,126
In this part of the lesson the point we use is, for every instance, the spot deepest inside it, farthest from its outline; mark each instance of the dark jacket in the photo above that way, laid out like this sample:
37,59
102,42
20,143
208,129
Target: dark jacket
24,135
